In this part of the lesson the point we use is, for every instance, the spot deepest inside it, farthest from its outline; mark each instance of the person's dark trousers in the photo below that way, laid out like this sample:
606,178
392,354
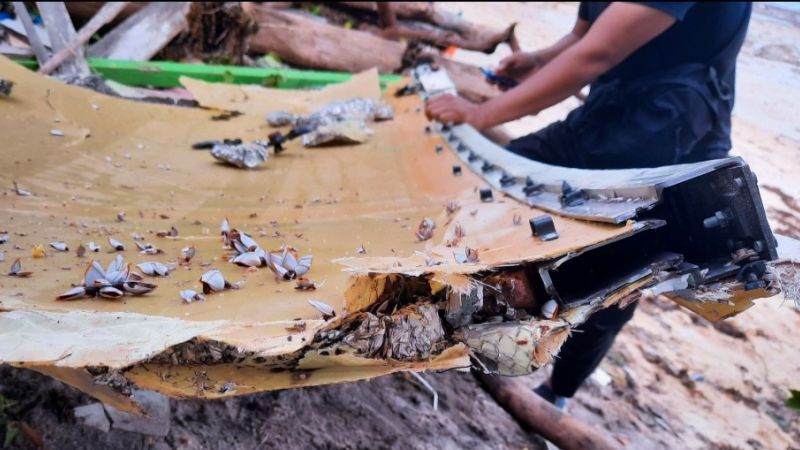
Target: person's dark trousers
586,347
648,134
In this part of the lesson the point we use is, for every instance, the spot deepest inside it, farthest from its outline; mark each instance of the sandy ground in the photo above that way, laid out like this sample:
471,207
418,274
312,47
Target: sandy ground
676,381
392,412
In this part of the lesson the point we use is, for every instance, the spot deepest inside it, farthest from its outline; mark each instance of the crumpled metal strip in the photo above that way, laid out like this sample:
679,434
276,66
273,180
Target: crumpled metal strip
346,132
354,109
243,156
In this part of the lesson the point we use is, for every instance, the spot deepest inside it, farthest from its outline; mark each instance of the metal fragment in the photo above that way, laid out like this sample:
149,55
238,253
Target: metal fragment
344,132
544,227
354,109
243,156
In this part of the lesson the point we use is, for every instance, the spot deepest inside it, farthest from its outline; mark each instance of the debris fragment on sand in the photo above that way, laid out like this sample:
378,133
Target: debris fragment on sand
5,87
243,156
345,132
21,192
354,109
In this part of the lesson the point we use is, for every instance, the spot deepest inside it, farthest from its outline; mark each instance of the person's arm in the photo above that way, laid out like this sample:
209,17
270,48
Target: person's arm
521,65
619,31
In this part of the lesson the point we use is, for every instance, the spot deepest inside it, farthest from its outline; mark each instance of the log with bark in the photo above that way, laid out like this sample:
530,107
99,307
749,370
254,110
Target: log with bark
309,43
535,413
425,22
82,12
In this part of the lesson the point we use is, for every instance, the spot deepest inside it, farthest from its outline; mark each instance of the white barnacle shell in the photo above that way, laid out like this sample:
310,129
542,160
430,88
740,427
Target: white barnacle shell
116,245
289,261
16,267
117,264
324,308
212,281
153,268
189,296
137,287
60,246
117,271
303,265
249,243
248,259
73,294
94,272
225,228
275,262
110,292
550,309
188,252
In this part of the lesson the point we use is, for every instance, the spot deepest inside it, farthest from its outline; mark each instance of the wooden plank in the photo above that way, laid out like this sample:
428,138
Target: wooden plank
105,15
16,28
31,32
144,34
10,50
59,27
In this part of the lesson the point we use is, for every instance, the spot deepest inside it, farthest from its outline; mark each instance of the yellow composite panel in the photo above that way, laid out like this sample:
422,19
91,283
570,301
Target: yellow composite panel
122,156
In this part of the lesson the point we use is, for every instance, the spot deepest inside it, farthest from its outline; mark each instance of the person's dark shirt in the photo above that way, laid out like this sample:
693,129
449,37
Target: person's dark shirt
700,33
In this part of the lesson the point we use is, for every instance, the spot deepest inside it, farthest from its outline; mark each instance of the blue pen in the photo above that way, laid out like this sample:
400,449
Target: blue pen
502,81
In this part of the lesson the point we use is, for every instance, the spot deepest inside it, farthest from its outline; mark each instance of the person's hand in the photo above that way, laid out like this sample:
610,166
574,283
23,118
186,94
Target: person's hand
518,66
452,109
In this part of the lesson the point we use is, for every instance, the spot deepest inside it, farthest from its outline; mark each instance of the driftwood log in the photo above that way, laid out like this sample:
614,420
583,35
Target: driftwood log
32,35
144,33
82,12
103,16
305,42
536,414
426,23
62,33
